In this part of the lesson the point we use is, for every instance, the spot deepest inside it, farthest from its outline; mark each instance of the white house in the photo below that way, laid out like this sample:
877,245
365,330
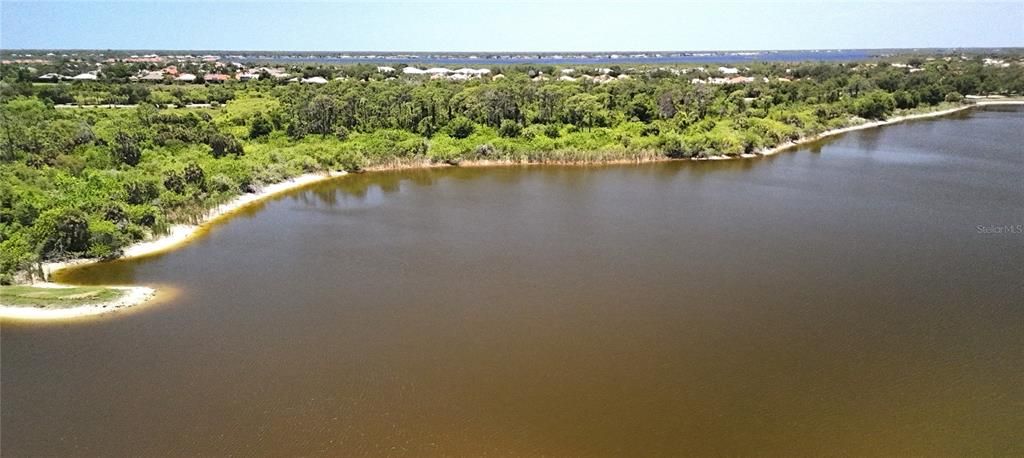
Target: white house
438,71
729,70
385,70
314,80
472,71
186,77
153,76
90,76
412,71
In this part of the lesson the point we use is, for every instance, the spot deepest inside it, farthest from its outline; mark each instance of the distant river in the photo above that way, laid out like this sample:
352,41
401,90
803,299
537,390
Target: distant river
860,296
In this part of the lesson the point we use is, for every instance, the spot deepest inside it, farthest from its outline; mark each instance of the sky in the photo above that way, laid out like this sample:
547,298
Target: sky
482,25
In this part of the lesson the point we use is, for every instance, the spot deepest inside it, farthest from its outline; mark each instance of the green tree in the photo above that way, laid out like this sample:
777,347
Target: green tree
510,128
61,231
126,149
320,115
876,104
221,145
260,126
585,110
461,127
16,254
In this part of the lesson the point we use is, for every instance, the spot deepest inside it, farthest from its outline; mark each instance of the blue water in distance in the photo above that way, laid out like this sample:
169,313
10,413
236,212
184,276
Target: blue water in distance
576,59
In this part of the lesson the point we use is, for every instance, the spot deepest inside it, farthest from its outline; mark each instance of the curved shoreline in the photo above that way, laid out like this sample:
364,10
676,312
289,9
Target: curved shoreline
179,235
134,295
182,234
872,124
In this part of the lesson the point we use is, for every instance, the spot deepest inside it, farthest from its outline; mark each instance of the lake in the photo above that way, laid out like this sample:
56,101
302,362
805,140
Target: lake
863,295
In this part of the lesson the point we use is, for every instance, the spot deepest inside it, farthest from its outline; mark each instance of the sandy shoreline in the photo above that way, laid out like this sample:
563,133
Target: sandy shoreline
873,124
182,234
134,295
179,234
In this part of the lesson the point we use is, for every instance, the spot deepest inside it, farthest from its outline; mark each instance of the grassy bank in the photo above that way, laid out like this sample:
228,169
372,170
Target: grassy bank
58,298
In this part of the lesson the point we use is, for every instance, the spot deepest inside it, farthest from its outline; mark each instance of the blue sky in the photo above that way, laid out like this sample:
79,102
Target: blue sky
553,25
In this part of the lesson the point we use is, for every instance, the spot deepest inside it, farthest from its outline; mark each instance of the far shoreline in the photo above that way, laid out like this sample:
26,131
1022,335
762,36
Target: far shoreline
182,234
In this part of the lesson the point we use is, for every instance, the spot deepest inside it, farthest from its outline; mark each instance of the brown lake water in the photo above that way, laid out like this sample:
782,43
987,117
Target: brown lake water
845,298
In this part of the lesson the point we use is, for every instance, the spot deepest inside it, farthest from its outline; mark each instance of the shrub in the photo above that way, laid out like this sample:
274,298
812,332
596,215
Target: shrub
876,104
16,253
140,190
222,183
105,239
126,149
260,127
341,133
61,231
510,128
551,131
221,144
461,127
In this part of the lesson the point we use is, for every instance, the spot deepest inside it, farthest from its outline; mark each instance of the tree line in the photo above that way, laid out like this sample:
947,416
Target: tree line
88,182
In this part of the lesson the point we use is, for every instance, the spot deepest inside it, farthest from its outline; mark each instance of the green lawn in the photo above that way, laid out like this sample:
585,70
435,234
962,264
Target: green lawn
31,296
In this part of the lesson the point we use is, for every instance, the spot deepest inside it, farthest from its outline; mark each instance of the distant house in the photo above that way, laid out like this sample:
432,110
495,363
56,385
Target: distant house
152,76
50,77
728,70
385,70
472,71
273,72
215,77
412,71
171,70
314,80
186,78
247,76
438,71
89,76
566,78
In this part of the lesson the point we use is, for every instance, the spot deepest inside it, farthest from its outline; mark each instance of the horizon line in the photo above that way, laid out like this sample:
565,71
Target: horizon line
919,48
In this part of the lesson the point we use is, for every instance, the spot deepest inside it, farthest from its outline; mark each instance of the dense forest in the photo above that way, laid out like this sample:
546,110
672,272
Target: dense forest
88,181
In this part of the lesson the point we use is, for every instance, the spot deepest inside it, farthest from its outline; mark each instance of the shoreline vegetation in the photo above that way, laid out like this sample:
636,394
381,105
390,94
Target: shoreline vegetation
181,234
146,159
